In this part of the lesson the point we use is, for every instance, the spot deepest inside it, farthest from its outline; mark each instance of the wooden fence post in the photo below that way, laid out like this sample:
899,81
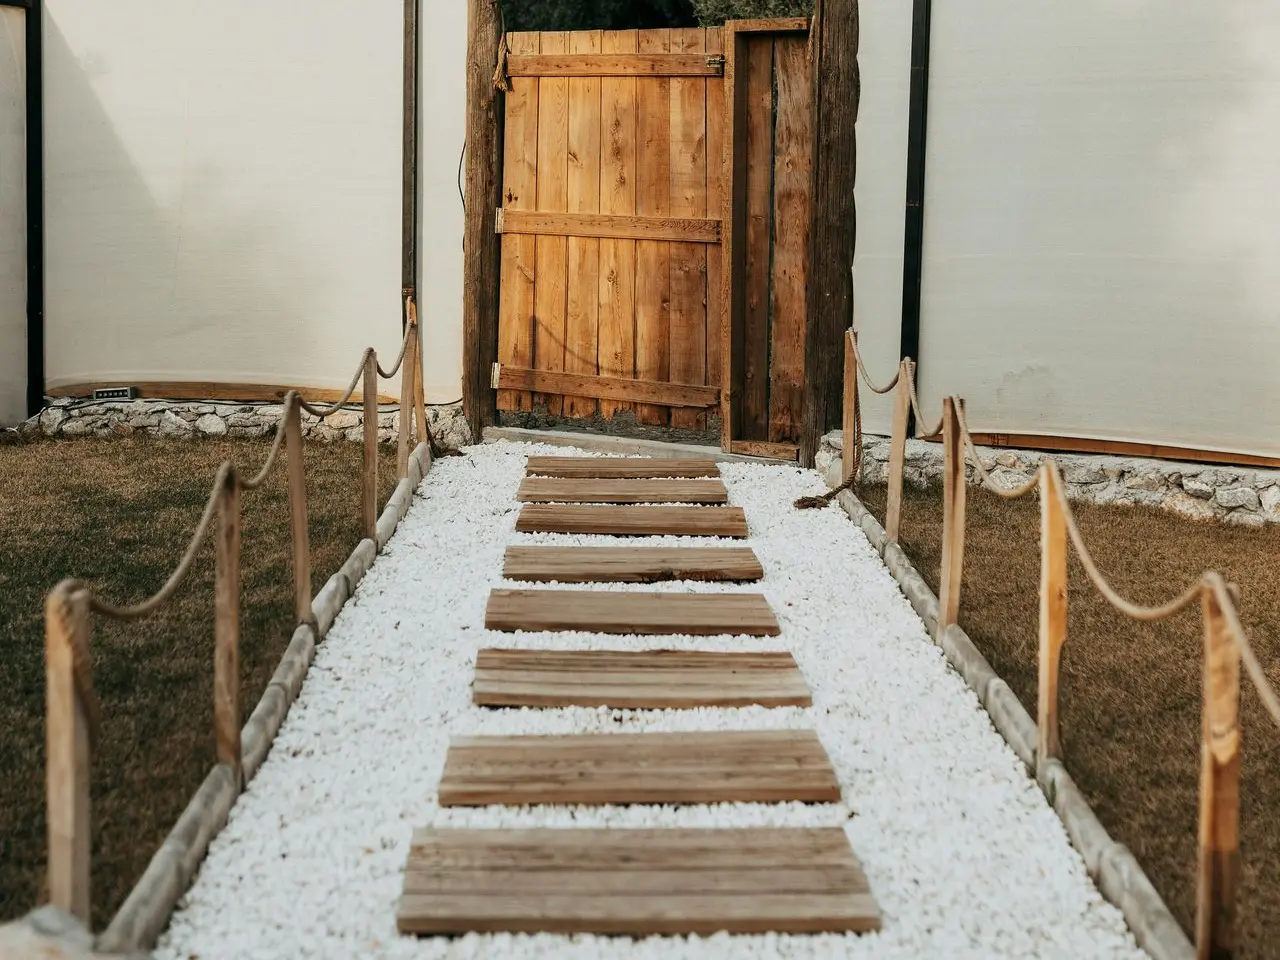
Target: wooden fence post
420,391
1219,846
369,485
298,512
405,419
1053,611
898,450
849,429
226,623
953,512
67,752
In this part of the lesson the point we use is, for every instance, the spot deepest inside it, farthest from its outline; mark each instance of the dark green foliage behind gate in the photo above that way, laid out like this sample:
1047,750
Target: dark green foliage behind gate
627,14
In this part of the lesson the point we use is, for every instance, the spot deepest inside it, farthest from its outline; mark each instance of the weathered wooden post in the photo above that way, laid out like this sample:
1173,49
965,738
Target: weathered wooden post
898,448
849,427
404,422
369,484
1053,611
420,391
226,622
67,627
301,537
953,514
1219,845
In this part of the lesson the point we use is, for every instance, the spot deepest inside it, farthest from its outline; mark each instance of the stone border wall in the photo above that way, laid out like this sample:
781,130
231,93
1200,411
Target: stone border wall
180,419
1237,495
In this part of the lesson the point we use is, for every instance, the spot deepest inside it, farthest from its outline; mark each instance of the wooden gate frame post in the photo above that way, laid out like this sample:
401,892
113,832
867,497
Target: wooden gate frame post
953,515
898,450
1053,613
226,624
483,196
1219,832
369,475
301,536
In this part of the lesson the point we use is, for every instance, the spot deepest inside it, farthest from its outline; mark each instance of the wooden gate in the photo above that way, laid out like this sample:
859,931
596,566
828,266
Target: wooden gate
615,194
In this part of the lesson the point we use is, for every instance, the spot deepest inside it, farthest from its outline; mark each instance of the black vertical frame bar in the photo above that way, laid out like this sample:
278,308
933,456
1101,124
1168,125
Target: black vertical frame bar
917,122
409,227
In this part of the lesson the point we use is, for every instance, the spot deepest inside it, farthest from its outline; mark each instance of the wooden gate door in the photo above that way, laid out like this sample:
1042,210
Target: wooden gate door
615,164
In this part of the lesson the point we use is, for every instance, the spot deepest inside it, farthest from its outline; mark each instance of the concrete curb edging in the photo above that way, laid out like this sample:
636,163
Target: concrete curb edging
147,910
1117,873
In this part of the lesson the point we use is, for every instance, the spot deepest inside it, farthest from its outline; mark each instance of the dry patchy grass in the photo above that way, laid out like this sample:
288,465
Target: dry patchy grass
119,514
1130,691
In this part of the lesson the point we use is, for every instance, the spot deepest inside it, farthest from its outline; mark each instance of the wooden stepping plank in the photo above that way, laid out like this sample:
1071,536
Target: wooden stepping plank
638,883
637,679
551,490
630,564
719,766
620,467
633,521
605,611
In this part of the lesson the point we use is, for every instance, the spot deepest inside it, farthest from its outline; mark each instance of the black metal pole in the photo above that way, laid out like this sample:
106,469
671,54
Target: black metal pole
35,205
913,249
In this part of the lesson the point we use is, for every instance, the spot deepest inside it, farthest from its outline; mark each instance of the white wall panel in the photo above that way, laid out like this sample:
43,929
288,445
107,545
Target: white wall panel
13,217
222,189
884,58
1102,201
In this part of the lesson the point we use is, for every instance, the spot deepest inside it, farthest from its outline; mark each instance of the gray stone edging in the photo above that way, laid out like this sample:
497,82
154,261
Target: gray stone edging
1238,495
149,906
178,419
1115,871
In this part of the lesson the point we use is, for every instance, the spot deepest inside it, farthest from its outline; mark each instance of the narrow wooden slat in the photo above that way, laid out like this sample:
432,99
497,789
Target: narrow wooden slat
653,199
614,65
630,564
635,882
717,206
686,229
638,680
789,267
757,74
645,614
585,385
556,490
637,467
759,448
519,192
721,766
688,327
617,345
633,521
583,310
550,289
733,273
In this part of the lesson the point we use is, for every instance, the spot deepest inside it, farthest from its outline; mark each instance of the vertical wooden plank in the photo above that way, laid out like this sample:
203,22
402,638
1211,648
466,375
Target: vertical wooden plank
759,152
792,183
66,753
369,476
953,505
1053,612
688,331
717,204
1218,865
617,341
301,537
850,433
733,233
653,199
550,294
898,450
226,625
519,252
583,196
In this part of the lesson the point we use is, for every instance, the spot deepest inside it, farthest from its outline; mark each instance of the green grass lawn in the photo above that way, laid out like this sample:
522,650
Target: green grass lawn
119,513
1130,691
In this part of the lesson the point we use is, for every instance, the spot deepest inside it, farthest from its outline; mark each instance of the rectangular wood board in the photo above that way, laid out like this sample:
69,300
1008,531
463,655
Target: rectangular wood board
644,614
638,883
621,467
718,766
584,490
633,521
637,679
630,564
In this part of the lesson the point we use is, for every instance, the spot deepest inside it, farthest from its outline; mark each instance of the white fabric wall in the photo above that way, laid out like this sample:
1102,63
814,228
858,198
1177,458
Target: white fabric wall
13,217
1102,255
880,190
442,102
223,189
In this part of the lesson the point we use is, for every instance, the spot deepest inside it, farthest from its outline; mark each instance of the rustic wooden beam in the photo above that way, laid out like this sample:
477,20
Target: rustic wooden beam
763,448
833,42
953,499
300,535
226,626
774,25
369,474
610,226
615,65
1053,613
605,388
483,196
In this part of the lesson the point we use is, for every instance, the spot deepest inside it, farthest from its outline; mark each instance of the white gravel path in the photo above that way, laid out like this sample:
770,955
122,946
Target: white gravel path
961,850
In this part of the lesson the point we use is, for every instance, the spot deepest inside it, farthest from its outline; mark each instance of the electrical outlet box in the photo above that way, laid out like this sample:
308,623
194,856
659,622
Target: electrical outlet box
116,393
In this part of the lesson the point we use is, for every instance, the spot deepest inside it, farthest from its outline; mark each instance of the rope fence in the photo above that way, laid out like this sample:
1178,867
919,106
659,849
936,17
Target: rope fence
73,713
1226,643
